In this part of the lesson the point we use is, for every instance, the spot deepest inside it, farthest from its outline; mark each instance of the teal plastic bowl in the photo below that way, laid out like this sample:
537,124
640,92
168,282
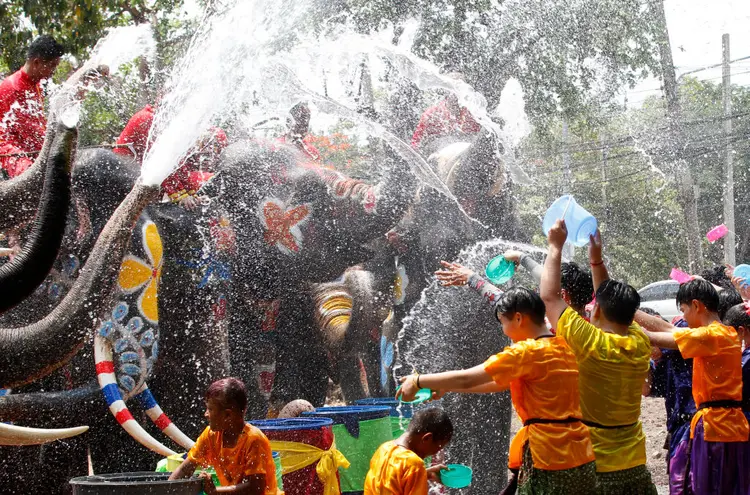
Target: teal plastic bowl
423,395
456,476
499,270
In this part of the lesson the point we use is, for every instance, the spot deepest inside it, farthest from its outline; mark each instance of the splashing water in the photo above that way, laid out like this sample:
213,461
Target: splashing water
440,319
252,58
119,46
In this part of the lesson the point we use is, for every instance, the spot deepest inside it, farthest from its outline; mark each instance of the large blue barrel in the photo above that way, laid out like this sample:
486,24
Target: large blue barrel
359,431
317,432
401,412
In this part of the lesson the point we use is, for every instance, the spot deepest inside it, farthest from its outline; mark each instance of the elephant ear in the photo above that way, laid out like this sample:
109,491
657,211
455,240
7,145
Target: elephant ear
131,324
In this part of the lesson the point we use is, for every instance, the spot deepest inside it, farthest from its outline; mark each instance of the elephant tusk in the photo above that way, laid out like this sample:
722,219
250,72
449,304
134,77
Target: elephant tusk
21,435
105,374
161,420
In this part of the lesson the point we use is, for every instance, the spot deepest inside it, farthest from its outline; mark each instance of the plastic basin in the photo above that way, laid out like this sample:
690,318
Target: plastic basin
456,476
135,484
499,270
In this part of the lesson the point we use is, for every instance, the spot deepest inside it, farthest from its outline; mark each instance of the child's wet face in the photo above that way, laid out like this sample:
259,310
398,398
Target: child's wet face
216,414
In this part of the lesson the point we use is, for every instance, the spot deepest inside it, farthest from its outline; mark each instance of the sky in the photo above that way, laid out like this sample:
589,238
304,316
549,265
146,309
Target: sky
695,30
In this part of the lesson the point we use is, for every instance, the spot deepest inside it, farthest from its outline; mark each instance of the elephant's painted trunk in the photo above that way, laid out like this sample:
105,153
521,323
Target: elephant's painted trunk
31,352
21,276
19,196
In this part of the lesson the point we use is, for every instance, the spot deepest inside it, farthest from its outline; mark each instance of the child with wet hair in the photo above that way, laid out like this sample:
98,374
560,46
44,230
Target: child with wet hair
717,457
397,467
613,356
553,450
577,287
240,453
728,298
738,317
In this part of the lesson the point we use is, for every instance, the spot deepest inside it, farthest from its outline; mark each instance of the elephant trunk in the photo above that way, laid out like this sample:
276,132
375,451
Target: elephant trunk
31,352
60,408
21,276
19,196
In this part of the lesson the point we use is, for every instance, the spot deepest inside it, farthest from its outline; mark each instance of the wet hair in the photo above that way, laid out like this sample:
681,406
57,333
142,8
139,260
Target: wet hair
718,276
230,392
737,317
577,283
432,420
618,301
727,299
300,111
44,47
699,290
521,300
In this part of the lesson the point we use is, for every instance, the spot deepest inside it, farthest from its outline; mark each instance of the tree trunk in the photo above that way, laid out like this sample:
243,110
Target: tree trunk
681,169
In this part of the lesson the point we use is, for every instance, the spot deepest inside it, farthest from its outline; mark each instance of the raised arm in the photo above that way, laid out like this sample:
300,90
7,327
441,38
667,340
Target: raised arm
658,331
526,261
549,287
455,274
599,271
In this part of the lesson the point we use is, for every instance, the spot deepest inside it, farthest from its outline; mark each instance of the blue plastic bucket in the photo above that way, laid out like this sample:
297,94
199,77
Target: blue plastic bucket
580,223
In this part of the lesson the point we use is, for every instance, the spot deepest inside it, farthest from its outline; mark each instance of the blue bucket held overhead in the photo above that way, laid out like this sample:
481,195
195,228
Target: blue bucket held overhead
580,223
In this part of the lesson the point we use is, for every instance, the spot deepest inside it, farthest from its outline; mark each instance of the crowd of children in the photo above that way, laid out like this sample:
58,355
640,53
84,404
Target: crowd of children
576,379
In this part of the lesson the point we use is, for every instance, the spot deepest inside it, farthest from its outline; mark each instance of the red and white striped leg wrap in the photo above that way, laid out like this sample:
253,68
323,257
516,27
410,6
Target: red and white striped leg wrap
105,374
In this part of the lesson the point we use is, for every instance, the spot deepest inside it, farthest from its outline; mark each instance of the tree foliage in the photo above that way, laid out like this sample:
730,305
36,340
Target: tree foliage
77,24
569,56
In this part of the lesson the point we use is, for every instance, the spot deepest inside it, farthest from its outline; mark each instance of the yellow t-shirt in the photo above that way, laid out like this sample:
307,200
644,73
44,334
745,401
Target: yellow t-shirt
612,371
542,375
252,455
395,470
717,376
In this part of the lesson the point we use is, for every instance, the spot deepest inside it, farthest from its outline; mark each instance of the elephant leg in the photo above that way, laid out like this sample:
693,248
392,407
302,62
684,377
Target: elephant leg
374,370
302,362
350,377
113,450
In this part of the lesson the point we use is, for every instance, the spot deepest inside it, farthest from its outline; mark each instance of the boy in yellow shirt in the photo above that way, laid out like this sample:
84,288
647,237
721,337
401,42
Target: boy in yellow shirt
613,357
397,468
240,453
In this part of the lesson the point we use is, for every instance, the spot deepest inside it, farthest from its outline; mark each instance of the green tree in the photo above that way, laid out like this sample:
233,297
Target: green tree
77,24
569,56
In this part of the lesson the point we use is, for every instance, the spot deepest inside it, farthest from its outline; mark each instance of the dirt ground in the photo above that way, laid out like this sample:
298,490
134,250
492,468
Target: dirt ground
654,419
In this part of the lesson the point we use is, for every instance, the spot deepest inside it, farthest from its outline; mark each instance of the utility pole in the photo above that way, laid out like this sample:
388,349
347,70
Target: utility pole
729,240
568,249
683,176
605,155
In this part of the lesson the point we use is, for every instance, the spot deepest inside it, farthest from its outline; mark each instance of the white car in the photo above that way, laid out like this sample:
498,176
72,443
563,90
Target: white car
660,296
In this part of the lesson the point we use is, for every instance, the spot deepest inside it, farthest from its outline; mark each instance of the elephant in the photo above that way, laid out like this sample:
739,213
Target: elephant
193,283
435,229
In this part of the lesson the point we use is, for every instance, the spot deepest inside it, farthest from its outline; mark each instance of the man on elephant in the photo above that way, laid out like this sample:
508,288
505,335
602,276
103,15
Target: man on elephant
445,118
22,120
194,171
298,123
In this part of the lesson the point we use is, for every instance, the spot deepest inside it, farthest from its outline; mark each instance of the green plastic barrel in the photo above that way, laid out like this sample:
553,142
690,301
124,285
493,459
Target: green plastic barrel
359,431
401,413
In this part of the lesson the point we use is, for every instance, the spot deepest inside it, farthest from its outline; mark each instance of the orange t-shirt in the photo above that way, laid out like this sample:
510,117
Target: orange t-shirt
542,375
717,375
252,455
395,470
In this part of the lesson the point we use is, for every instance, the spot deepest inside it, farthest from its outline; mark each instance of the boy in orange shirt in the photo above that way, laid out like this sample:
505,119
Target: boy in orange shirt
240,453
717,459
553,449
397,468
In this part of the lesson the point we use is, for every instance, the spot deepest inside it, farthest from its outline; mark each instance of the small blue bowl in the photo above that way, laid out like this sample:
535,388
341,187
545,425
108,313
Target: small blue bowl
456,476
